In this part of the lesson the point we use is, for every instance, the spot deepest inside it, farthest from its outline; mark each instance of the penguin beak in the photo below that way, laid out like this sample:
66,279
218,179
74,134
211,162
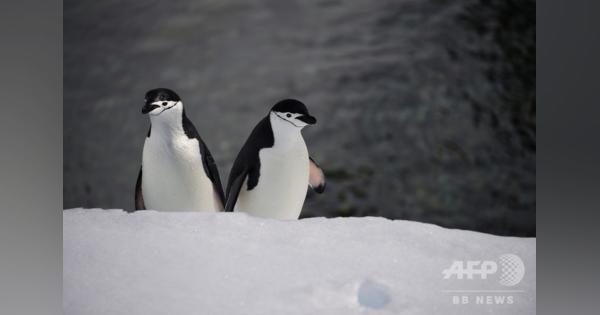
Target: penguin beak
148,108
307,119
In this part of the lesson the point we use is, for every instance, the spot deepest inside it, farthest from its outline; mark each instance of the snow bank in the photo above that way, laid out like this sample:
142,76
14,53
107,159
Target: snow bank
230,263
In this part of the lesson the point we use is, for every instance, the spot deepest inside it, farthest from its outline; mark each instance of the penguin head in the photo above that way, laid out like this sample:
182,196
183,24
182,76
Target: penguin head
160,100
293,112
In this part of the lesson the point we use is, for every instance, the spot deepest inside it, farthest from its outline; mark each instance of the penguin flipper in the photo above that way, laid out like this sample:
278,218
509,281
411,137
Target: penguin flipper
139,197
210,167
316,177
233,191
208,163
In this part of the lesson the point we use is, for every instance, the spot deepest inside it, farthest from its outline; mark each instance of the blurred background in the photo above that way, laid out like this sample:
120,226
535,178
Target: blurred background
426,108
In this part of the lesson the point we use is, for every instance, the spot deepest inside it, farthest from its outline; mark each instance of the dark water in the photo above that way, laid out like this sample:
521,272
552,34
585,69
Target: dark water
426,108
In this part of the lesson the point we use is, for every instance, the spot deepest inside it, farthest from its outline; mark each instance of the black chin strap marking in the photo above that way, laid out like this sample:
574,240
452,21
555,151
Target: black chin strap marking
164,109
288,121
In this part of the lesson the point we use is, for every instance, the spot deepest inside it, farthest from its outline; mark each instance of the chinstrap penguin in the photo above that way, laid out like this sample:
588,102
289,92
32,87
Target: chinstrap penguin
273,170
178,172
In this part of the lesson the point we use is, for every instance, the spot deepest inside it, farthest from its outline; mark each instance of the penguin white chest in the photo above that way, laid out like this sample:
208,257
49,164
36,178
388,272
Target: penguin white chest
282,183
173,177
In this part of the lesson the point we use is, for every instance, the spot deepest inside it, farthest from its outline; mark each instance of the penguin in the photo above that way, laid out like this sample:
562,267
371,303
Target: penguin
178,173
272,172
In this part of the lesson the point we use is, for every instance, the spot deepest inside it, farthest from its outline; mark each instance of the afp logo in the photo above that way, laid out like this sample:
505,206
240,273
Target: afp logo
512,269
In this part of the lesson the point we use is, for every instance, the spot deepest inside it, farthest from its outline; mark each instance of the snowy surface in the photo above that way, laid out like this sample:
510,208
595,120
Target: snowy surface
230,263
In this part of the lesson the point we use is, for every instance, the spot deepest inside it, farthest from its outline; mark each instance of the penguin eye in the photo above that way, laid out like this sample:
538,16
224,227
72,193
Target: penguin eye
164,103
288,115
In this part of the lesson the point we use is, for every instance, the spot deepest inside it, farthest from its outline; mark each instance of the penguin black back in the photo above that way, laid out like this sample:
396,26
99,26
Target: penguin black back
210,167
247,162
